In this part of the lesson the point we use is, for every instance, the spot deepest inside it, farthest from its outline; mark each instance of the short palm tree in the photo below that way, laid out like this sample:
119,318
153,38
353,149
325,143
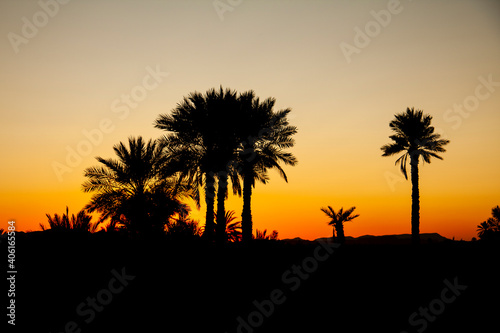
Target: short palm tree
263,235
483,229
233,228
80,222
338,219
183,228
415,137
490,229
135,189
269,135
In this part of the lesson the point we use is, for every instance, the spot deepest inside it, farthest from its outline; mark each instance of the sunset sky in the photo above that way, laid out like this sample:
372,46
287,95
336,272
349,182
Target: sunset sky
343,67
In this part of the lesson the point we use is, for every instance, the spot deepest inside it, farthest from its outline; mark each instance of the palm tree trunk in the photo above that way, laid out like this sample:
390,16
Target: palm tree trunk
246,215
340,233
220,235
415,202
210,202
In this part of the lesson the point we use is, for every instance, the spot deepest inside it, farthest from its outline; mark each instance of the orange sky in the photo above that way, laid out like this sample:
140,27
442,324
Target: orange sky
67,77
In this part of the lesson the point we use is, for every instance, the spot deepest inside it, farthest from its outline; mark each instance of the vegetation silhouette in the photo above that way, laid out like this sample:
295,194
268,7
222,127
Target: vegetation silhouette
414,136
183,228
80,222
490,229
233,228
138,191
214,139
262,235
222,135
337,221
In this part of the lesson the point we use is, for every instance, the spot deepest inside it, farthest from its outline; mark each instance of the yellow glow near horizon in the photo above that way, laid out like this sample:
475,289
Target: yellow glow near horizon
73,73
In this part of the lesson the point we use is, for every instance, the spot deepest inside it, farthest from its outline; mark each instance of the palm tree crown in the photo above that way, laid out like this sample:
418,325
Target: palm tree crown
135,189
337,220
490,229
414,136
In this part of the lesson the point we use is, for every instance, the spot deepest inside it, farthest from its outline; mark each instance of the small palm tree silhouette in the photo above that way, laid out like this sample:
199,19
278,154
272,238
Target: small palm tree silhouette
338,219
490,228
80,222
183,227
233,228
263,235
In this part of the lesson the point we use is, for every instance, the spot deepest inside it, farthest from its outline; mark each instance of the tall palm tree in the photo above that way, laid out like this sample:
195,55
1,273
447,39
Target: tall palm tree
203,139
338,219
268,136
415,137
134,189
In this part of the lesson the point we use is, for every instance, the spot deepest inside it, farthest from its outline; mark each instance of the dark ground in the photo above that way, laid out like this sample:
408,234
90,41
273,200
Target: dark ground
196,287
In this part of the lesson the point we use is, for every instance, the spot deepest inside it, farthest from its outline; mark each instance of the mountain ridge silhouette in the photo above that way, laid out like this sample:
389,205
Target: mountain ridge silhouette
380,239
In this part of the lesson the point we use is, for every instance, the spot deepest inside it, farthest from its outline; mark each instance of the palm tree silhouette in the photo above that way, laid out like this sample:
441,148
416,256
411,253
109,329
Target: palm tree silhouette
263,235
263,150
203,140
80,222
414,136
490,229
338,219
135,189
182,227
233,228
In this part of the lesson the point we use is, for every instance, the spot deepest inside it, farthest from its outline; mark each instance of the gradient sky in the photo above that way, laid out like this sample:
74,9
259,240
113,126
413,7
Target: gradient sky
69,74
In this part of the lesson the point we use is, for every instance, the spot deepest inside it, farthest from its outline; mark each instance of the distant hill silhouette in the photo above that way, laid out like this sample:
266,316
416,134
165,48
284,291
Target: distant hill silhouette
370,239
